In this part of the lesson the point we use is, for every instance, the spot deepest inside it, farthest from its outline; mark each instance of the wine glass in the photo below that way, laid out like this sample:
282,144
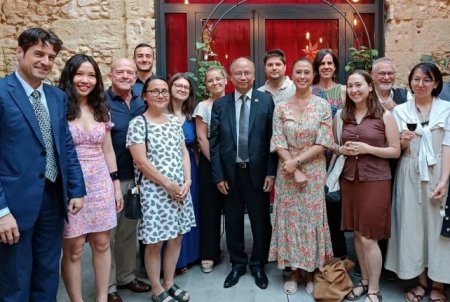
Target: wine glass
411,126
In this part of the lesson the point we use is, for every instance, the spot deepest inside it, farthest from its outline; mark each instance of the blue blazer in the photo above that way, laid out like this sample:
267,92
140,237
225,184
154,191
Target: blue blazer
223,139
22,152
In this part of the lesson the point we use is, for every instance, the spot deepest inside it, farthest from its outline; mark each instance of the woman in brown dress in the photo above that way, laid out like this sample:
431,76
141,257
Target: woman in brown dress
370,138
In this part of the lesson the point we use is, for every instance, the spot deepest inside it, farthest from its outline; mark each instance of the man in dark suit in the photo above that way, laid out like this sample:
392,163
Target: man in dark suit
244,169
40,176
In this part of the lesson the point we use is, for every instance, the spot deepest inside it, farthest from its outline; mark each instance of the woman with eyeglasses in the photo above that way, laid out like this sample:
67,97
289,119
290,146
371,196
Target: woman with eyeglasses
416,248
211,200
167,210
181,104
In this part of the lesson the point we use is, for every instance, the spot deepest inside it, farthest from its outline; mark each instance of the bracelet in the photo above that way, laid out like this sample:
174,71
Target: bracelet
114,175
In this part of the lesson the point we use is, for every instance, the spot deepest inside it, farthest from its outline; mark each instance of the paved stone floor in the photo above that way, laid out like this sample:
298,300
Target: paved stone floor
209,287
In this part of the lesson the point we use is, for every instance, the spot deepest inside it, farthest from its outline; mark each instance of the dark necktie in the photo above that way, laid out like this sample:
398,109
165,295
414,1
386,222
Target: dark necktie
51,171
243,130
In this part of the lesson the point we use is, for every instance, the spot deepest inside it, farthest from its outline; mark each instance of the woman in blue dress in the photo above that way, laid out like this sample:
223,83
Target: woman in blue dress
182,104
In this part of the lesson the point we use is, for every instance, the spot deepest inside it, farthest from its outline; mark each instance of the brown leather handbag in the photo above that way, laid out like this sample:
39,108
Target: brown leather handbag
332,282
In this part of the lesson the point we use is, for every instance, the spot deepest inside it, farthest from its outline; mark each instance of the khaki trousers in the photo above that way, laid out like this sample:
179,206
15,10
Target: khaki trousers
123,246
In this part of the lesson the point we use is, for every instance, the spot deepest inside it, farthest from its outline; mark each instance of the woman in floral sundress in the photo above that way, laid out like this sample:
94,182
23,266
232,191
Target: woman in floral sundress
90,126
301,131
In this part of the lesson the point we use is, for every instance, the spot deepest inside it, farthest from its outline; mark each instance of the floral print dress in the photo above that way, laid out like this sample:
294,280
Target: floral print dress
301,236
99,211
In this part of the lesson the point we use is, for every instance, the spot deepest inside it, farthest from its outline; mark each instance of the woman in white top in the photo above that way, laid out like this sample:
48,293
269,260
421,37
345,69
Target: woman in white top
211,201
416,247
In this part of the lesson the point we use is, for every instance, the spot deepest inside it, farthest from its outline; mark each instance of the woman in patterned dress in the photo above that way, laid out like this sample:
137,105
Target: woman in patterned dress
370,139
301,131
90,126
210,199
182,103
165,199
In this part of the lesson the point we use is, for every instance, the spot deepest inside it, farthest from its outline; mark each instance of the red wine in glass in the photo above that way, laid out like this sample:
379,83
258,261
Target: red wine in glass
411,126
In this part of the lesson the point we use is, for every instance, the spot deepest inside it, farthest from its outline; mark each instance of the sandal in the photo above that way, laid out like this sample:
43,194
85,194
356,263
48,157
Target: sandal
309,288
290,287
377,294
352,296
207,266
162,297
442,296
413,296
182,296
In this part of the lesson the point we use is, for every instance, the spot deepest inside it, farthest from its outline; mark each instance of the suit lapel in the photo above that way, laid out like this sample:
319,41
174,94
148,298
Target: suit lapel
53,112
19,96
253,111
232,115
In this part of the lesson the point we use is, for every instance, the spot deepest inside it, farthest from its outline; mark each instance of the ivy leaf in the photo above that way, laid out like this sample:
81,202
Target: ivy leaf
199,45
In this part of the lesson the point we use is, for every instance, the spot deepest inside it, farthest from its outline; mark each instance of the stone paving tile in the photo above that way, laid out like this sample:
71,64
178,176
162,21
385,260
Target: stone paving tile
209,287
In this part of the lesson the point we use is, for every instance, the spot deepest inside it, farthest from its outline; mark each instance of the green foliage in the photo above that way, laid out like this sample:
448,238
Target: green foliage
361,58
427,59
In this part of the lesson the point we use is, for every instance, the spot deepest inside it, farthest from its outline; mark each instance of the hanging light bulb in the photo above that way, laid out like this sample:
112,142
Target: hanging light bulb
308,35
320,40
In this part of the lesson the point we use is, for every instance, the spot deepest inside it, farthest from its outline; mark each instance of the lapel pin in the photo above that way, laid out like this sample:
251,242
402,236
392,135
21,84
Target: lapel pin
256,100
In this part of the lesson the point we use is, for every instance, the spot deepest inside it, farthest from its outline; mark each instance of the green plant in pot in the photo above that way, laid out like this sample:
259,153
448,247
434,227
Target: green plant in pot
361,58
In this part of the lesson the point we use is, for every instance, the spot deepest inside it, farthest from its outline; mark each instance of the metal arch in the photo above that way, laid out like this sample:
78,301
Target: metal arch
324,1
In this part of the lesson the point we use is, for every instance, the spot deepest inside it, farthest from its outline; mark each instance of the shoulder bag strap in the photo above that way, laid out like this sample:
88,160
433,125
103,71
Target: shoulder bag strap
339,125
146,148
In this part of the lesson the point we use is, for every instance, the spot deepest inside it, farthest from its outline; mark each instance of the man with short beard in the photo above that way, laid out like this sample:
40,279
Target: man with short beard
383,75
143,57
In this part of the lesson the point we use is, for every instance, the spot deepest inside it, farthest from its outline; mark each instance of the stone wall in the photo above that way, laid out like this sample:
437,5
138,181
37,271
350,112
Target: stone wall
103,29
109,29
414,28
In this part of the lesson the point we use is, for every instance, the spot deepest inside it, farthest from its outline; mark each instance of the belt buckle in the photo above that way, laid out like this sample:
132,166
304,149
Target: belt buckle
242,165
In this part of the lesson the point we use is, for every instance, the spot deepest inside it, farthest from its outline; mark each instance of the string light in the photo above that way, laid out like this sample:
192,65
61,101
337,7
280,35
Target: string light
187,1
307,35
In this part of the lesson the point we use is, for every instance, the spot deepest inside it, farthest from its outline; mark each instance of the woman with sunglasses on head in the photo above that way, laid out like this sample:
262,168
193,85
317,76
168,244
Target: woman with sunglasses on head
416,248
182,103
211,200
167,210
90,125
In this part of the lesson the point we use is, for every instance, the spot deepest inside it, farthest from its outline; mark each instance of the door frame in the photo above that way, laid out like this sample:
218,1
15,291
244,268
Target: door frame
259,12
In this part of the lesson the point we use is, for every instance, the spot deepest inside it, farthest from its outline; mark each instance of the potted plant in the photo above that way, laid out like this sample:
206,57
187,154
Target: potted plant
361,58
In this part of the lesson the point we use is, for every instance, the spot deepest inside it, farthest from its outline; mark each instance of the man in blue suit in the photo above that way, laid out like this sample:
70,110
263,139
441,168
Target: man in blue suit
40,176
244,169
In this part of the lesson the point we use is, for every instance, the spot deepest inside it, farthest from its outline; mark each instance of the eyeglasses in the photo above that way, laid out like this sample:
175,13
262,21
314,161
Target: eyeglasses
181,86
218,79
426,81
239,74
155,92
383,74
